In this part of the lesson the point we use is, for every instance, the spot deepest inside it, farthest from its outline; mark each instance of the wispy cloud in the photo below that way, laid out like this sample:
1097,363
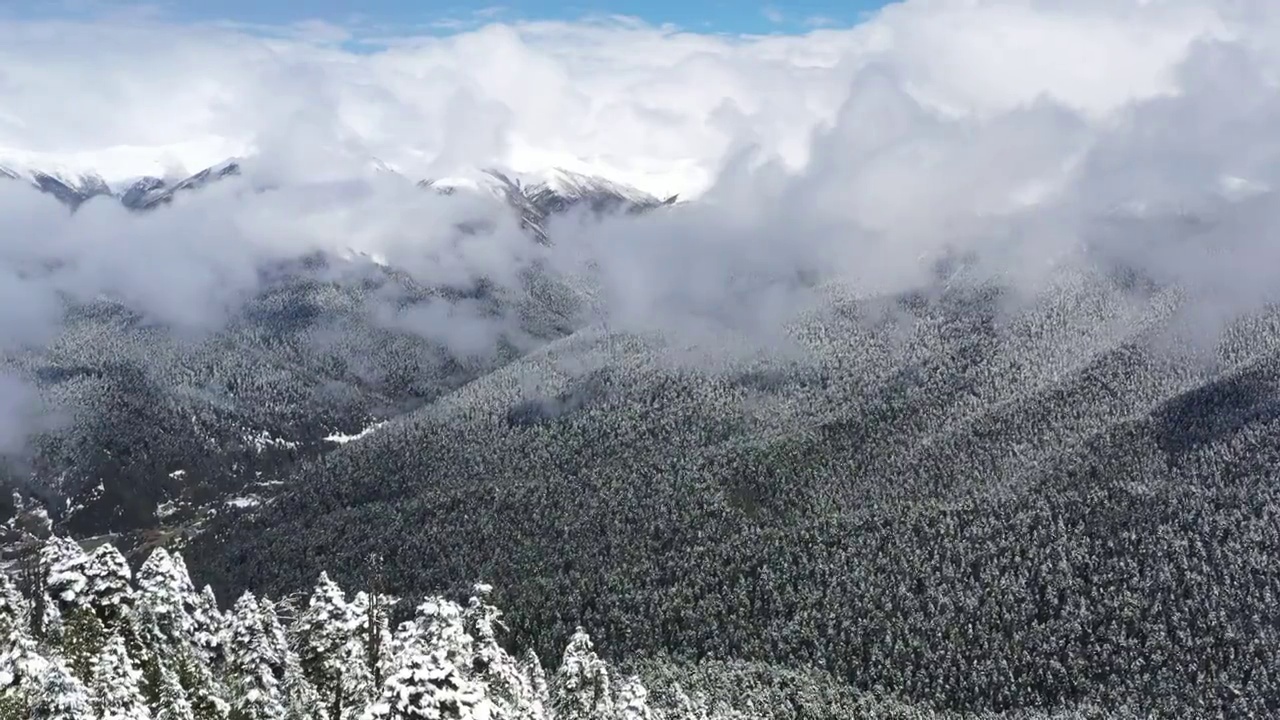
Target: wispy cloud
992,126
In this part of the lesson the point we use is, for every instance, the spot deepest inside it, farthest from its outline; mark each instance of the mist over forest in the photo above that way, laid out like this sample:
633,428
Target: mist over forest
924,367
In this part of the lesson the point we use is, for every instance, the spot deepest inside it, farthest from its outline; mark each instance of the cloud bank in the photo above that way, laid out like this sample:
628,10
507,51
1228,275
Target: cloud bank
1031,130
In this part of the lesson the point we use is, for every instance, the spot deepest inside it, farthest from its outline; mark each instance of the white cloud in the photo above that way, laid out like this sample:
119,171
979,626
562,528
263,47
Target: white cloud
644,104
840,153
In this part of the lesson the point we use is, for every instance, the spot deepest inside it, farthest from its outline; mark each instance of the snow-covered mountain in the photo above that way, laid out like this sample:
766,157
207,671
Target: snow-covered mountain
535,196
69,187
147,193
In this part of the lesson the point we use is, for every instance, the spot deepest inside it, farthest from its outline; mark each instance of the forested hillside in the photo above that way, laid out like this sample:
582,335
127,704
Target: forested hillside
84,637
976,507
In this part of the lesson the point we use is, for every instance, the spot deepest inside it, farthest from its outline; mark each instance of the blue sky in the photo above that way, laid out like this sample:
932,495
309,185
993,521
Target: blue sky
728,16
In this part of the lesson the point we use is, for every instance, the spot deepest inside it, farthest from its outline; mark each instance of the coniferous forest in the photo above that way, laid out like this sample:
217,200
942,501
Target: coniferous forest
86,637
923,368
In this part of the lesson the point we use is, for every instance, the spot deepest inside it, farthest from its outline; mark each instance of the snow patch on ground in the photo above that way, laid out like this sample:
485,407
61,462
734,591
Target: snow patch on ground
263,440
342,439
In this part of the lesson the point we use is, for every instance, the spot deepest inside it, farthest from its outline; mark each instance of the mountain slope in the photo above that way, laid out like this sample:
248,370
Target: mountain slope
158,430
973,506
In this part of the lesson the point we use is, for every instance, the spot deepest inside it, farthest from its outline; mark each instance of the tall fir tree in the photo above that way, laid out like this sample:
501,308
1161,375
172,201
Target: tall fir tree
254,665
633,700
429,686
115,684
330,651
206,626
164,596
22,671
14,609
433,675
581,689
62,563
108,585
536,680
82,638
507,687
373,631
61,696
172,703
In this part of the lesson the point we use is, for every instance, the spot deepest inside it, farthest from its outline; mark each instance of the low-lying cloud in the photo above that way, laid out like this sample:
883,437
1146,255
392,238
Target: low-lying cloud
1026,131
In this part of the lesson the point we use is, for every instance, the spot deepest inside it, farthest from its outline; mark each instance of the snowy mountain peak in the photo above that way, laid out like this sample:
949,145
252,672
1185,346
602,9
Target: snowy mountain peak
537,196
68,186
534,197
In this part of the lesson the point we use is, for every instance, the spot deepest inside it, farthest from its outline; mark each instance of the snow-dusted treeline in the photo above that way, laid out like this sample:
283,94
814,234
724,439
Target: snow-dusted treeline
85,638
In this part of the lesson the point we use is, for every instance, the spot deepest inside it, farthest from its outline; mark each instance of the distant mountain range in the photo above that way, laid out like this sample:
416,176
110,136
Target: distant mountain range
535,197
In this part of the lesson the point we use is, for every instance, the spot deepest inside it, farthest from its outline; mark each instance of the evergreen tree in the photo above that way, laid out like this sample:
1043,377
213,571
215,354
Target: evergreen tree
536,681
179,632
115,684
61,696
22,671
204,692
373,632
432,677
172,703
164,596
581,689
201,609
82,639
108,587
14,609
301,700
430,686
633,701
255,667
65,563
62,565
507,687
329,650
206,626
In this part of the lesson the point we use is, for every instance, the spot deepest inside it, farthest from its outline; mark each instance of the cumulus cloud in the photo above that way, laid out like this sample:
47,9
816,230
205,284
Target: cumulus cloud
1025,128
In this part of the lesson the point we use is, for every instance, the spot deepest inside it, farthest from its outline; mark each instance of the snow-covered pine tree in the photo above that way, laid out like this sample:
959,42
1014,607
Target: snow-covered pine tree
108,589
633,700
22,670
433,670
301,701
202,612
581,687
82,638
329,650
178,632
14,609
61,696
429,686
62,564
373,610
437,624
207,622
254,667
507,687
536,679
114,685
277,639
172,703
164,594
204,692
